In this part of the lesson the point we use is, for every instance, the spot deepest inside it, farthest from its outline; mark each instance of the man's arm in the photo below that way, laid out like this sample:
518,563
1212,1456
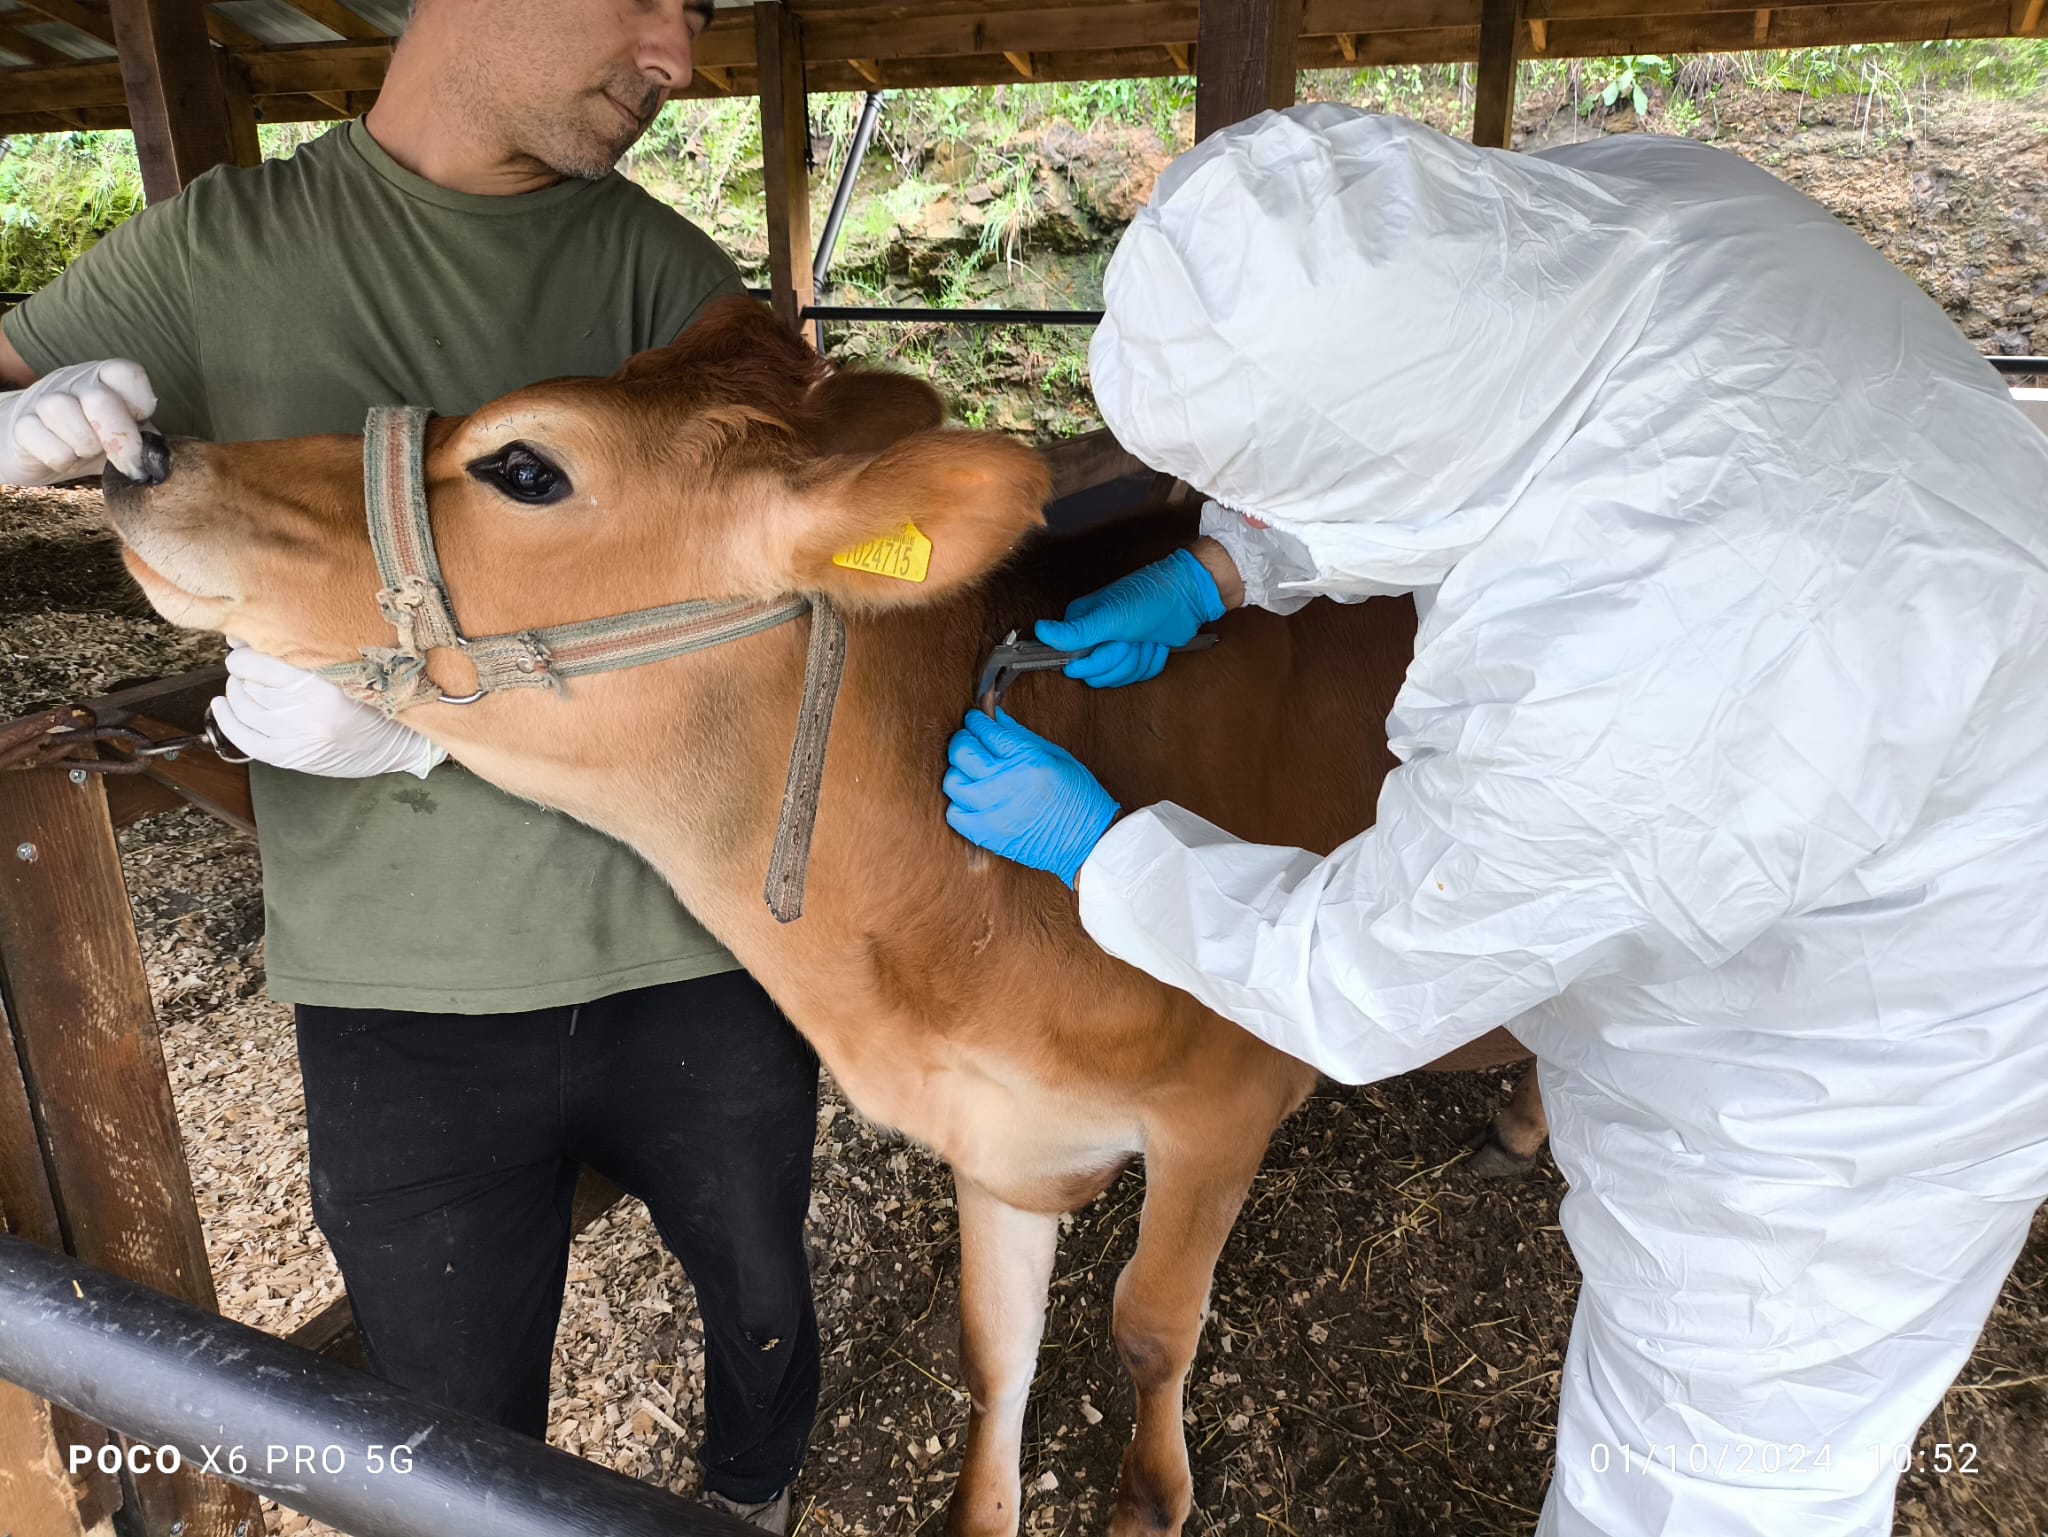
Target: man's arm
15,374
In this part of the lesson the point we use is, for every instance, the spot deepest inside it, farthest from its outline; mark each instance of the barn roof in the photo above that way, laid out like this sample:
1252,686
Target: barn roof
309,59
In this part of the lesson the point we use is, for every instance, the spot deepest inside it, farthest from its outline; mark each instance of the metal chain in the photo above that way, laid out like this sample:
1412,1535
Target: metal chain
66,734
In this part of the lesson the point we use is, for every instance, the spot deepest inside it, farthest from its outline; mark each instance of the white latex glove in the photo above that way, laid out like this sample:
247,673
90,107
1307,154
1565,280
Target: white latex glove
289,718
72,421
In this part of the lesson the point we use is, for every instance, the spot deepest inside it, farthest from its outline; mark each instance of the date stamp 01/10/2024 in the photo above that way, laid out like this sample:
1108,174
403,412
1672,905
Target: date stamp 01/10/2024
1735,1459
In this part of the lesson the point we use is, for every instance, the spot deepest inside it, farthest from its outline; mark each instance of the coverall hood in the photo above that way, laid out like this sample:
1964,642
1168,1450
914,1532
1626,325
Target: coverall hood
1382,449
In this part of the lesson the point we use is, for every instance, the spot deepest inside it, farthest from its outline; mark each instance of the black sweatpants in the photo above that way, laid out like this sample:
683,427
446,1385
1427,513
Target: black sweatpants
445,1150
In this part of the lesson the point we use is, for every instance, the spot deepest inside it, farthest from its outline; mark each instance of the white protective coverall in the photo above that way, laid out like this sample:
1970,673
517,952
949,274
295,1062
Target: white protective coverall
1724,753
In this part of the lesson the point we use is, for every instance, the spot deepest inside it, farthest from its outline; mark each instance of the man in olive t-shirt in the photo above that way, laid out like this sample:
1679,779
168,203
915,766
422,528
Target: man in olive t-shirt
488,994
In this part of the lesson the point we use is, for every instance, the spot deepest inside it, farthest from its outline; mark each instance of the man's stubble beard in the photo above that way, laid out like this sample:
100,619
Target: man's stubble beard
563,141
583,156
583,162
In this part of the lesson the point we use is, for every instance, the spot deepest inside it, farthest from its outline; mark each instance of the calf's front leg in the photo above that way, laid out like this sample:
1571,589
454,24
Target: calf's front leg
1006,1257
1192,1197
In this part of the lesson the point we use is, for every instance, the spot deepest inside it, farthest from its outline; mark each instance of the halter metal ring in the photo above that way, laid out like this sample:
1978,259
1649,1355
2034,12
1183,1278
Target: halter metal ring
211,734
462,643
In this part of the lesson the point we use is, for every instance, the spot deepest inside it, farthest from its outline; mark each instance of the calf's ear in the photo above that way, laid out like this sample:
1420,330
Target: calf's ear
734,348
932,513
863,411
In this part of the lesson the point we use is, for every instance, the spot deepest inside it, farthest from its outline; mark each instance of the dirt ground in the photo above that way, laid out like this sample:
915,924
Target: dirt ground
1384,1344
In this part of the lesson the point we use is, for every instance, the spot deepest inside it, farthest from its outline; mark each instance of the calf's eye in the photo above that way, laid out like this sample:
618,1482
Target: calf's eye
523,473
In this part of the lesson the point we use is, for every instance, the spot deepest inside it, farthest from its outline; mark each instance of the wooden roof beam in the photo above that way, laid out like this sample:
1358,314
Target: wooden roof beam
12,123
339,19
1179,53
1408,32
1616,13
868,70
317,67
1792,25
2029,24
1020,62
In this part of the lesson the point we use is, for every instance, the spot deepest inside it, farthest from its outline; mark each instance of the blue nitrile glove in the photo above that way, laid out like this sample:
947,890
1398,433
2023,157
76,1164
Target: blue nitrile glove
1129,626
1017,795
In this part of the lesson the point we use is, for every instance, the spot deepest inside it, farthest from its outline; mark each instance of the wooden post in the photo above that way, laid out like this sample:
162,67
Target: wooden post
174,96
1493,110
241,110
36,1488
1244,57
91,1066
37,1491
785,152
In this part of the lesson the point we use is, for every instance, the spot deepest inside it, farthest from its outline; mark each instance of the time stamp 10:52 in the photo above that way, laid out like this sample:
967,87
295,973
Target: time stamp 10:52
1770,1458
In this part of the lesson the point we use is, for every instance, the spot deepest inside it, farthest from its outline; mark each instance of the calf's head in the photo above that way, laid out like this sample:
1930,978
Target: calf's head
729,464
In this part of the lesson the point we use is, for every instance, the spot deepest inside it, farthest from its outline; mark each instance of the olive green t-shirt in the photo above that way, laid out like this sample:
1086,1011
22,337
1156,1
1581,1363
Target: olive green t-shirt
287,299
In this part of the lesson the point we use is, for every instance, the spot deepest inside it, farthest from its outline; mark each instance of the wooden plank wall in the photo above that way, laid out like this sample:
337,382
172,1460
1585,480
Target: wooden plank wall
37,1492
84,1036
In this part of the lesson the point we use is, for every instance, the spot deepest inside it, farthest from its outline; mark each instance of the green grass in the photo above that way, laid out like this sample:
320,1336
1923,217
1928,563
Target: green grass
59,193
2009,68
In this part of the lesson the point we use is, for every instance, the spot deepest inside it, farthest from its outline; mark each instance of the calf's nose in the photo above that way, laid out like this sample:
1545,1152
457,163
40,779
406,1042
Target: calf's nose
156,457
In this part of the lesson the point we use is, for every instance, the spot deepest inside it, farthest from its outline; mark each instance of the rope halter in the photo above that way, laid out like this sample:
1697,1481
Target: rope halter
414,602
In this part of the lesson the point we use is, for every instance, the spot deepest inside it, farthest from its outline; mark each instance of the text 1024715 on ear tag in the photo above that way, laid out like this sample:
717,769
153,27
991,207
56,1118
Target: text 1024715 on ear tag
906,556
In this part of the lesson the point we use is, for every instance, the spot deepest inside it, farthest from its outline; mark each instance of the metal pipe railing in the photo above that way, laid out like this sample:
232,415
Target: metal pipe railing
842,199
344,1448
905,315
842,195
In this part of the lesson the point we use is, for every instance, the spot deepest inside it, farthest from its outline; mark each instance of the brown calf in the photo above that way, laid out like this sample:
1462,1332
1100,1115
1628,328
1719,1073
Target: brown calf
953,996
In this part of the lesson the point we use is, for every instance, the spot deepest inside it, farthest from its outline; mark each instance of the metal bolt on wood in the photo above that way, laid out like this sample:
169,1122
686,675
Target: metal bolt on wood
78,776
27,853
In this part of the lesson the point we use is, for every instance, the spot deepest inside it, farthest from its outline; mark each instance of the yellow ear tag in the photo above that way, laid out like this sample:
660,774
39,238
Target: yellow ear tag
906,556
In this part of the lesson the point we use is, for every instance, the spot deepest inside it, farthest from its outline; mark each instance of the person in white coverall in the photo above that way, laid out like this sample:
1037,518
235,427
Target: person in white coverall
1724,752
